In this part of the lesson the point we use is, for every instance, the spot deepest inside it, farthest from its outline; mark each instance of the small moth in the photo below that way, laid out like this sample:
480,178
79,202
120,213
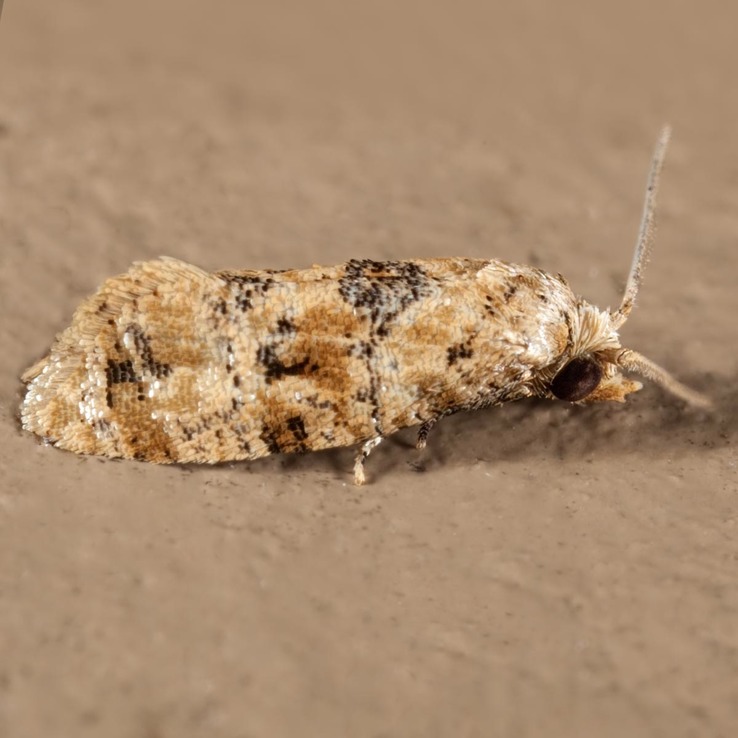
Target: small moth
168,363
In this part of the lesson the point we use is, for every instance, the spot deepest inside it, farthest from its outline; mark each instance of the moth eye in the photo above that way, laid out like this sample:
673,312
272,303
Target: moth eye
577,379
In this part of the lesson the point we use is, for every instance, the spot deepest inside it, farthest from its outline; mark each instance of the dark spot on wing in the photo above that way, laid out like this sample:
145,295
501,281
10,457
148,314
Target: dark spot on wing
270,439
383,289
142,345
245,287
118,372
296,426
459,351
274,368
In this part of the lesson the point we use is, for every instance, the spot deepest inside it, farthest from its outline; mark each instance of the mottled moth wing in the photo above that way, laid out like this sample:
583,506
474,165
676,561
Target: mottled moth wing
169,363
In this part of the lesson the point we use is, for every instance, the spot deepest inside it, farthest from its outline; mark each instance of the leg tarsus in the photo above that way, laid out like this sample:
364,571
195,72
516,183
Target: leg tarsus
361,456
423,432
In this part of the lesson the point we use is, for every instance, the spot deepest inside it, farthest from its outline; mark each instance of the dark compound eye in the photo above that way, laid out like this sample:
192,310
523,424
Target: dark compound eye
577,379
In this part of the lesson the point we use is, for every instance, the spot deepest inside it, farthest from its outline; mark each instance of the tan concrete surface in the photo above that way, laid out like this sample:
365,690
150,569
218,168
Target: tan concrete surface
538,570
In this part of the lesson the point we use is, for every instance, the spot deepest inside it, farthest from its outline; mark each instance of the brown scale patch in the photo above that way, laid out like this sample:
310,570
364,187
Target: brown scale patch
141,436
331,361
171,336
444,326
328,320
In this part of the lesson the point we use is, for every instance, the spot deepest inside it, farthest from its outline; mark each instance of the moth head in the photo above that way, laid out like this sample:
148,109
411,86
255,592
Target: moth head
595,362
598,377
591,370
591,378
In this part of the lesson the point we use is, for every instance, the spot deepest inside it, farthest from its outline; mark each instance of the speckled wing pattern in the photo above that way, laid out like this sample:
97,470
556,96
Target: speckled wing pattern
169,363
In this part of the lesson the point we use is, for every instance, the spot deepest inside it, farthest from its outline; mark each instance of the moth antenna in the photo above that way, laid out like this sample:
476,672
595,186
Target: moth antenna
646,232
633,361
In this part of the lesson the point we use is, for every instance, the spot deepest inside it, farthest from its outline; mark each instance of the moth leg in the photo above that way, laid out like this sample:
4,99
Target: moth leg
423,432
361,456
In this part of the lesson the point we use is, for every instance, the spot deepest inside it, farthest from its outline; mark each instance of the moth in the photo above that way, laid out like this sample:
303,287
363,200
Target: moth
168,363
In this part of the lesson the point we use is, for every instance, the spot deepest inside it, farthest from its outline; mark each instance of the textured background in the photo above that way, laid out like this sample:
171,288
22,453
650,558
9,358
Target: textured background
538,570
